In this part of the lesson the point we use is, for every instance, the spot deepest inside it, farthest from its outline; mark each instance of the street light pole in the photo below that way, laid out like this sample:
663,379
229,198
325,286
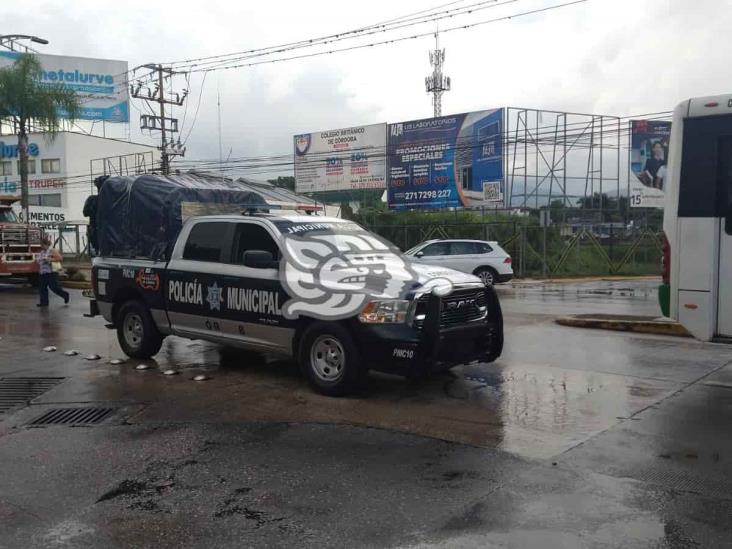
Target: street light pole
11,41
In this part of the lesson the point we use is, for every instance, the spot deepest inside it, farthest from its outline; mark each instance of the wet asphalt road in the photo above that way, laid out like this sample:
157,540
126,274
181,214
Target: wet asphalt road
574,438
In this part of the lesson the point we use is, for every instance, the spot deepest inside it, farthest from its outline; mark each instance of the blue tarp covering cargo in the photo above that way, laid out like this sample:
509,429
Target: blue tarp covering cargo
141,216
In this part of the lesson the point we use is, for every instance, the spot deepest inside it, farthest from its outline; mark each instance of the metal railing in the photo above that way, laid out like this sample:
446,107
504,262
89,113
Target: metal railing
70,239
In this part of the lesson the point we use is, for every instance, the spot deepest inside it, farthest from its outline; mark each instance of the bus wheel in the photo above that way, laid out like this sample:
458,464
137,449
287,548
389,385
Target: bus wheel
330,360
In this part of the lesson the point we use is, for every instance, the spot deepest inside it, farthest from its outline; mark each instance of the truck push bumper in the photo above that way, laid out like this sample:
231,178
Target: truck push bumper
435,345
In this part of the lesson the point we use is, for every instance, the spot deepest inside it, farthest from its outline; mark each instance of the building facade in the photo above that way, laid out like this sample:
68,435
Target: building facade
60,171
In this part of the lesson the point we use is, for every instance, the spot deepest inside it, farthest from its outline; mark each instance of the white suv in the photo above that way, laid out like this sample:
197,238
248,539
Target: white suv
486,260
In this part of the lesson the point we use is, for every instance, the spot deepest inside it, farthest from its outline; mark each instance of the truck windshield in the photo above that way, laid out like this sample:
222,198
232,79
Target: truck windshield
7,215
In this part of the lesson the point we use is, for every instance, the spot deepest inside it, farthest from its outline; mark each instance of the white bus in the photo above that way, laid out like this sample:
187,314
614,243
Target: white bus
698,217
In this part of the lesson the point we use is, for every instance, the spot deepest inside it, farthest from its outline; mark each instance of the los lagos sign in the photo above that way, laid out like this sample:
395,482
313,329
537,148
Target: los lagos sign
101,84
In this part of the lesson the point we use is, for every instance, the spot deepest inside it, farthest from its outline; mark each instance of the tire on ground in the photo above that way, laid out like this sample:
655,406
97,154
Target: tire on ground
485,273
330,360
136,332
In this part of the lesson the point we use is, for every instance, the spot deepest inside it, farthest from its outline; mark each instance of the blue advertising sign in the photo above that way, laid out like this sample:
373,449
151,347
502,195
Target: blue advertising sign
100,84
446,162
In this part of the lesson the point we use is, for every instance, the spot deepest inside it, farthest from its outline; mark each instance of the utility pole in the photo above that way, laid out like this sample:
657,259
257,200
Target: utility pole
436,83
221,153
167,126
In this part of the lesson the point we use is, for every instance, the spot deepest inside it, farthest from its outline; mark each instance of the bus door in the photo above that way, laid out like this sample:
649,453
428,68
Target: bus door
724,291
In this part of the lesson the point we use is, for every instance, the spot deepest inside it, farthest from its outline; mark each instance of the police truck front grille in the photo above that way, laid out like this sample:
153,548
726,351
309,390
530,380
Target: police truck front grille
459,307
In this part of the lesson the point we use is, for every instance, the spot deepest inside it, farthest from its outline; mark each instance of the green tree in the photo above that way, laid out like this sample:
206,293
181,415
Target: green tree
23,98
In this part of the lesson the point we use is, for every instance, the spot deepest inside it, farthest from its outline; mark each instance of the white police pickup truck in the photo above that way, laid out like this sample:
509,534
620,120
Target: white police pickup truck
324,291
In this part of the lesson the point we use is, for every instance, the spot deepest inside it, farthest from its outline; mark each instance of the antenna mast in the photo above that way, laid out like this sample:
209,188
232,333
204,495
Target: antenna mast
436,83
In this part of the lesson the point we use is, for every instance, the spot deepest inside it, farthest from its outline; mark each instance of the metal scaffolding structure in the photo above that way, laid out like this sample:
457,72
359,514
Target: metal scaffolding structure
560,156
126,164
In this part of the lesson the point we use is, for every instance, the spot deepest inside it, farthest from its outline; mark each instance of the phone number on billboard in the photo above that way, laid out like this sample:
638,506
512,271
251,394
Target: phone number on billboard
419,195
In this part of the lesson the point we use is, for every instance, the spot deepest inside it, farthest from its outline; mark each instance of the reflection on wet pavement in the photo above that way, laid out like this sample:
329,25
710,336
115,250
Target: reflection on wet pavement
540,399
573,437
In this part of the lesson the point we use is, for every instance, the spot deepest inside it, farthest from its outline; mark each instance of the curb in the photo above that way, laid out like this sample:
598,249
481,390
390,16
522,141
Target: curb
621,323
582,279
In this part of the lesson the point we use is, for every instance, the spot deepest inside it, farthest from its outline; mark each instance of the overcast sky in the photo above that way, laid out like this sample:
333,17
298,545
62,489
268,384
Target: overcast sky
615,57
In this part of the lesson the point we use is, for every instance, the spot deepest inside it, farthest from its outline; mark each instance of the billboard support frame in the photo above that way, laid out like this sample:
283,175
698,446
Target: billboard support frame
550,146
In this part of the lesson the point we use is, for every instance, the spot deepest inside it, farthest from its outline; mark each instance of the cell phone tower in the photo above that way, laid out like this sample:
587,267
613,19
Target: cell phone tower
436,83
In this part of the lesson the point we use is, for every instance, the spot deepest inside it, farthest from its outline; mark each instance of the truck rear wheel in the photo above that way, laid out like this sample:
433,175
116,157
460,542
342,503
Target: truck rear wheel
136,332
330,360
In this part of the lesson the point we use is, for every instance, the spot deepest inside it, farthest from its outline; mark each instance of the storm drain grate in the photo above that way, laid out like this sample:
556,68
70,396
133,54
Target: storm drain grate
16,391
72,416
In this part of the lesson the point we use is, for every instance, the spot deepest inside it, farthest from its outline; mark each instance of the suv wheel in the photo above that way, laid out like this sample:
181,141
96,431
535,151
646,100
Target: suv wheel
330,360
136,332
487,274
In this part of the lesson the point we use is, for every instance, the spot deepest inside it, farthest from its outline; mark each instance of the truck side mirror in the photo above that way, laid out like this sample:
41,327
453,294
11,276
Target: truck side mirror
259,259
419,254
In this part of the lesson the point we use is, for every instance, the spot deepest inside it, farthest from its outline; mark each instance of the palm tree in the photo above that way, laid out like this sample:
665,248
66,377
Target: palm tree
24,98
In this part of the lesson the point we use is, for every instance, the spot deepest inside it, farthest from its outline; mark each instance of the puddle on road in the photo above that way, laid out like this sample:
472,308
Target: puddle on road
534,410
531,410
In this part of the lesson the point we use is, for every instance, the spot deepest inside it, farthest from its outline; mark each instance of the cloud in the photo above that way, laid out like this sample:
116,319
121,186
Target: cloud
604,56
258,121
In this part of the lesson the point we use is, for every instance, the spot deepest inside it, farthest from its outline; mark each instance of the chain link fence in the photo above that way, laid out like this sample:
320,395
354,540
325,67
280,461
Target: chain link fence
559,250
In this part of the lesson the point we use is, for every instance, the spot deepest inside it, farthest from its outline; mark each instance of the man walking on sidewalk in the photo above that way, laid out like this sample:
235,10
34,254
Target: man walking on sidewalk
48,277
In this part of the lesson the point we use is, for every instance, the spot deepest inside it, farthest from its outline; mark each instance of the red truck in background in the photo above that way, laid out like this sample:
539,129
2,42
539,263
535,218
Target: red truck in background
20,243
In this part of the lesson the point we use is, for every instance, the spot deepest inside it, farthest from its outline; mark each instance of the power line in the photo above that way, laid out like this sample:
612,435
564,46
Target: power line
302,43
276,163
381,26
465,10
198,104
394,40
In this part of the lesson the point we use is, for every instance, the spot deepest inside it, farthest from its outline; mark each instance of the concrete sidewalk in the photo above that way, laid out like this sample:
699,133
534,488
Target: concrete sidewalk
625,323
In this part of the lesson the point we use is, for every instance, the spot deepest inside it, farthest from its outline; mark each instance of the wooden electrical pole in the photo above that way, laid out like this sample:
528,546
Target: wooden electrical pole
167,126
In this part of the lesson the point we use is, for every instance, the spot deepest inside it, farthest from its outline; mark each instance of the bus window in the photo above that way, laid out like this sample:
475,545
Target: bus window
701,192
724,173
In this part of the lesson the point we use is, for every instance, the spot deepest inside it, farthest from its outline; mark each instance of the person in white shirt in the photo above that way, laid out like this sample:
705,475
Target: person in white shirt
48,279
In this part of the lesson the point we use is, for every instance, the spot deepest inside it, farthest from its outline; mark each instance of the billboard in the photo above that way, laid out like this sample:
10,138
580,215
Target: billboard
338,160
450,161
100,83
648,154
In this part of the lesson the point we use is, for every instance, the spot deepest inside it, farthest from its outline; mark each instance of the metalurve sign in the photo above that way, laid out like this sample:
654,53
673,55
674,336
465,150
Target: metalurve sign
11,151
100,84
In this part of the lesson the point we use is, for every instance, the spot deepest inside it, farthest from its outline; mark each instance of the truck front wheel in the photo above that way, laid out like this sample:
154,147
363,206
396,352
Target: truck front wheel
136,332
330,360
